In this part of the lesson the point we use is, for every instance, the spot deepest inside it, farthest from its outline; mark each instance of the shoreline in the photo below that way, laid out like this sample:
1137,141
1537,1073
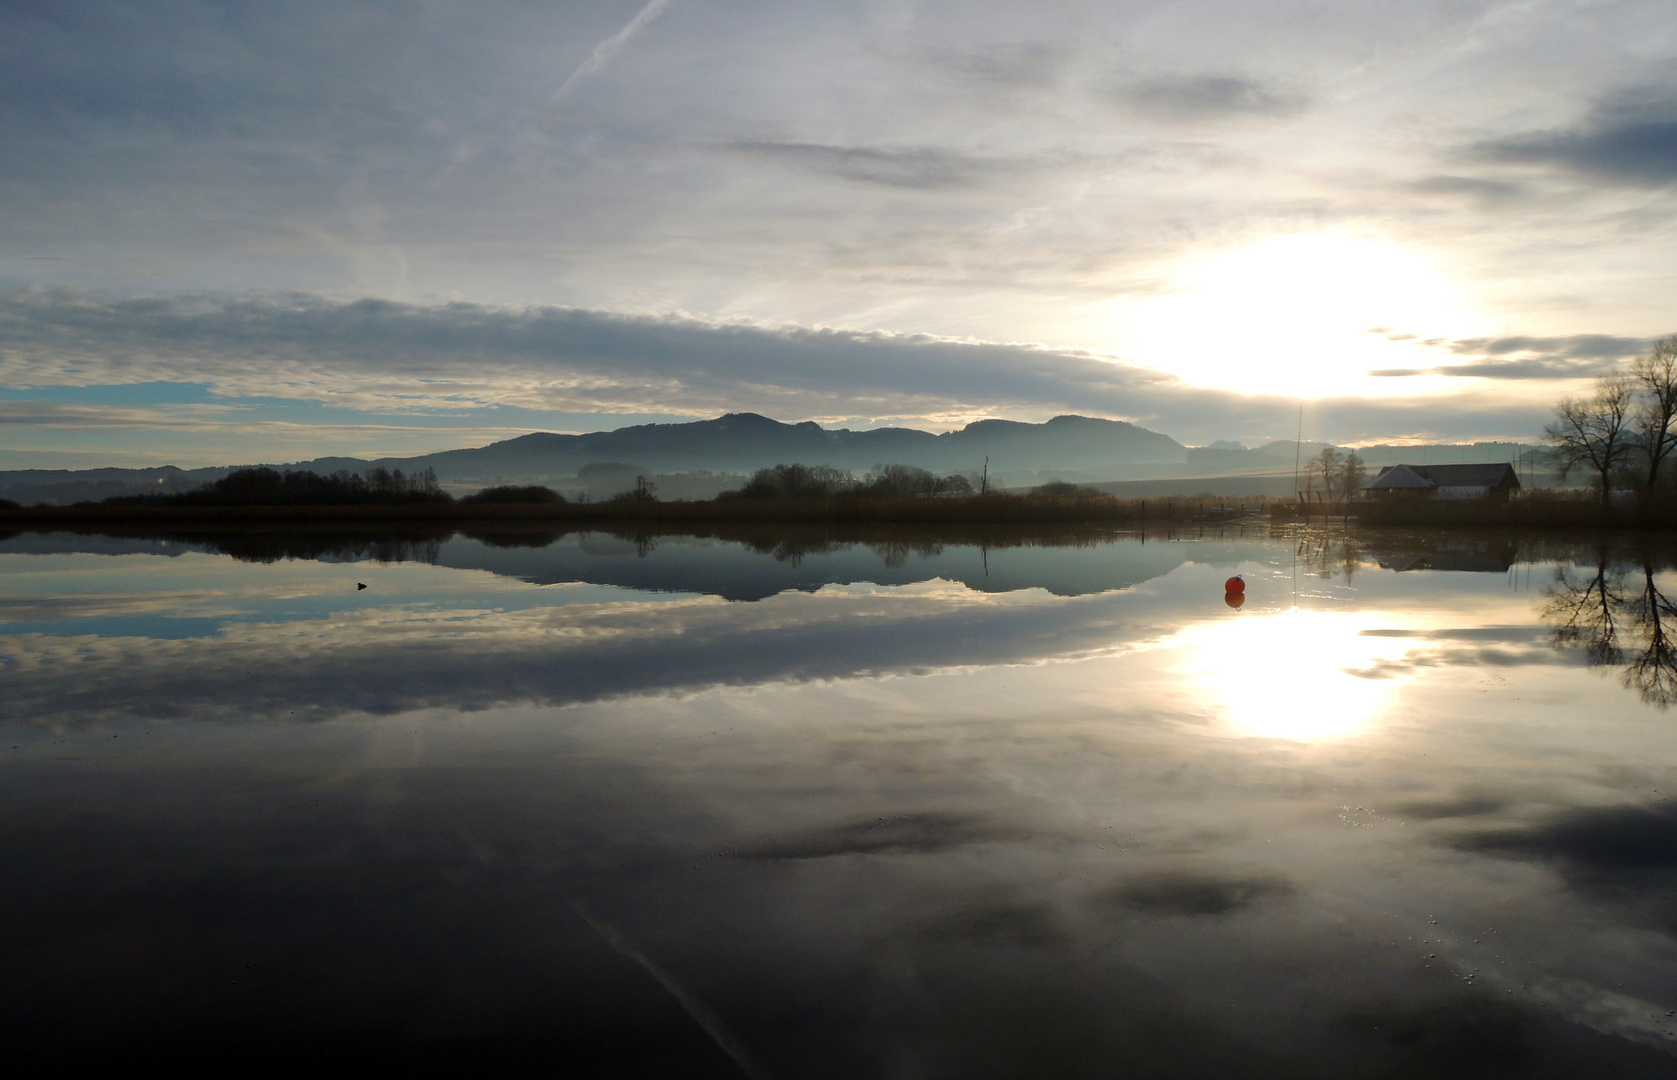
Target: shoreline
1646,513
974,510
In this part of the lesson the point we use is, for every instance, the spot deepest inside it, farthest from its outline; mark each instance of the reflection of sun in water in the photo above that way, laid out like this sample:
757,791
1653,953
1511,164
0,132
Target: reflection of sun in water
1303,675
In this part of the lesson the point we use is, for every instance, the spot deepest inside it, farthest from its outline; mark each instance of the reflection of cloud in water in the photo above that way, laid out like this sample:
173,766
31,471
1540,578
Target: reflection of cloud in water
920,833
1626,853
1460,807
1195,892
393,659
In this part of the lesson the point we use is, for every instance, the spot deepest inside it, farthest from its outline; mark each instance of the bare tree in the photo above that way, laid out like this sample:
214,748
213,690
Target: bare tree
1352,475
1594,432
1656,375
1330,463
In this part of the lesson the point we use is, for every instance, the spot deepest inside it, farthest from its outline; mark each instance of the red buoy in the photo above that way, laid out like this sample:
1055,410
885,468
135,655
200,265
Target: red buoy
1234,599
1236,584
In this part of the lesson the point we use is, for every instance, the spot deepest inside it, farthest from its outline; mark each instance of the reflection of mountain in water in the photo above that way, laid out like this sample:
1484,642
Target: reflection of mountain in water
738,564
476,656
752,571
420,653
418,544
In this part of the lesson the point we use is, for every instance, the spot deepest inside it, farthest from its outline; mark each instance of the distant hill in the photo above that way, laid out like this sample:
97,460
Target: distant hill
737,443
1279,456
741,442
1232,457
697,459
60,487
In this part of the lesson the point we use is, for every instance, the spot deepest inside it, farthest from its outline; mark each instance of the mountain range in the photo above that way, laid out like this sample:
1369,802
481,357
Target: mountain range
697,459
742,442
737,443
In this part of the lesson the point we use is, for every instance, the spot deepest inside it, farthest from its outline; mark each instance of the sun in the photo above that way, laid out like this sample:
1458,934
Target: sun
1299,316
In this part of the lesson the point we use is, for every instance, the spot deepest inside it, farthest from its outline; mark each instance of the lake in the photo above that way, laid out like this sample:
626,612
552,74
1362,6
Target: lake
981,804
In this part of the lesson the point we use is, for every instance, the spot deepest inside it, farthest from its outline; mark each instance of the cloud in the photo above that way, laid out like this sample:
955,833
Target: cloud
189,146
610,47
396,357
1573,356
1025,65
1629,140
1481,188
374,352
1572,347
1504,369
1207,97
226,420
913,167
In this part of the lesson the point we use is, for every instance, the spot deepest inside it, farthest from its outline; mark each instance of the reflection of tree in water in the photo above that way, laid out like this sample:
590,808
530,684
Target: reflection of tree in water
1614,619
1653,671
895,553
793,551
1584,611
255,547
1329,556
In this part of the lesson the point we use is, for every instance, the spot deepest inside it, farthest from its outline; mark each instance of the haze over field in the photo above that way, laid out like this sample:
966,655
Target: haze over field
245,232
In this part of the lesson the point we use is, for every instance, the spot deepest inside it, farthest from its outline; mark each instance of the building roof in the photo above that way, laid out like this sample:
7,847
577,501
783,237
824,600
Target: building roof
1400,476
1487,475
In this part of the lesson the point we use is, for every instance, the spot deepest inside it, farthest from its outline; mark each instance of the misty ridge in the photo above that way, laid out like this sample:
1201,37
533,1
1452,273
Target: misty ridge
702,459
392,487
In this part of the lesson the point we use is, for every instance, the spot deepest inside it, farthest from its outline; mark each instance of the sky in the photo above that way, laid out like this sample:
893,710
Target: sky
248,231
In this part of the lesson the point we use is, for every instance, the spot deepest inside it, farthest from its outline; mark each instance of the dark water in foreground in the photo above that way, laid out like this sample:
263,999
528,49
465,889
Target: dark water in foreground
675,806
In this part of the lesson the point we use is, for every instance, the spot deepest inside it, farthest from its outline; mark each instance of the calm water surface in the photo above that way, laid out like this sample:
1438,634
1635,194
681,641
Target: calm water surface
601,805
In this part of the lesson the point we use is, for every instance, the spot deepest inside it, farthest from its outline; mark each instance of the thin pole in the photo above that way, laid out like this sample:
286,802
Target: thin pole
1298,445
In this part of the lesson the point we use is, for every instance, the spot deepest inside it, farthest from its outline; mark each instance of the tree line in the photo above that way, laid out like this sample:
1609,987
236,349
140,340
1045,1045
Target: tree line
1625,429
826,482
271,487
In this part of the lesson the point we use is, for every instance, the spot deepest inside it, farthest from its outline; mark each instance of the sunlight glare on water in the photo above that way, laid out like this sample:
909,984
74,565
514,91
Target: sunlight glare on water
1307,676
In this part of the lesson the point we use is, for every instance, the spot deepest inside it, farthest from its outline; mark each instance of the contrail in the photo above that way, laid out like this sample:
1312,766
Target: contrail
605,50
695,1008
